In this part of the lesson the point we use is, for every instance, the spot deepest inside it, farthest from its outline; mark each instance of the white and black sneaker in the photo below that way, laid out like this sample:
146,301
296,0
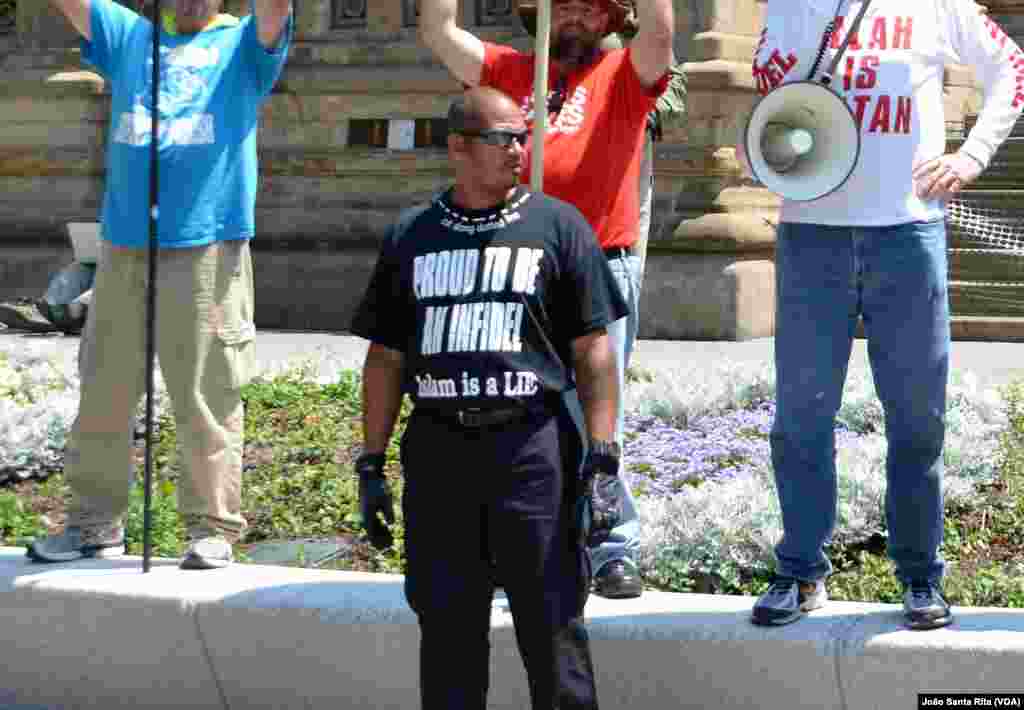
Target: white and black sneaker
788,599
924,606
208,548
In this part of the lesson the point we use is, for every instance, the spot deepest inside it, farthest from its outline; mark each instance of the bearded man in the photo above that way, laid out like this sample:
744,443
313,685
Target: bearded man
216,72
597,108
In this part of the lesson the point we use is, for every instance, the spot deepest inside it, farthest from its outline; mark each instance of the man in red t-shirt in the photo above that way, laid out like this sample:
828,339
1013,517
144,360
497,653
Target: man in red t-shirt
597,110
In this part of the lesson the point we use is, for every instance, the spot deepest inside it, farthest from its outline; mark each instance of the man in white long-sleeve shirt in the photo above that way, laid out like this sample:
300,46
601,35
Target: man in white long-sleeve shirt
875,249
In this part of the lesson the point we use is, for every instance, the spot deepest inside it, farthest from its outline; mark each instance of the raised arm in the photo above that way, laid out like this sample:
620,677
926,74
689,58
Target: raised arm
461,51
77,12
271,16
651,49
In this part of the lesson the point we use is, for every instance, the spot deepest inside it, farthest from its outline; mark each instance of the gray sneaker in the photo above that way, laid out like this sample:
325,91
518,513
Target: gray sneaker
788,599
207,548
76,542
924,607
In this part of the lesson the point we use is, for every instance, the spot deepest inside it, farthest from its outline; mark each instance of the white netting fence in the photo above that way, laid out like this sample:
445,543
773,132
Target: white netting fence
987,227
987,271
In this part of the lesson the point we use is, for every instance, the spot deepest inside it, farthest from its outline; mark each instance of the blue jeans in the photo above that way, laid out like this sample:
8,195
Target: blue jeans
895,279
624,539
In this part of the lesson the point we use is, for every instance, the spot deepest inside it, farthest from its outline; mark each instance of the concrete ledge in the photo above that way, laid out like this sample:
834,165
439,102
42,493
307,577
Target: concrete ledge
100,634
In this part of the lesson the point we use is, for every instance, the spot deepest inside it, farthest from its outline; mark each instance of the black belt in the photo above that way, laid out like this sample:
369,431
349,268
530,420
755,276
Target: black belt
483,418
476,418
617,252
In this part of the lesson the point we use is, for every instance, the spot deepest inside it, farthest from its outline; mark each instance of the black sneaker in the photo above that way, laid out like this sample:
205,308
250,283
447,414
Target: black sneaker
618,579
24,314
924,607
788,599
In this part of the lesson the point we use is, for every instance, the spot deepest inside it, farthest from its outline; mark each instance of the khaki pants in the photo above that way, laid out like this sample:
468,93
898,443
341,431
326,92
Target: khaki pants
204,342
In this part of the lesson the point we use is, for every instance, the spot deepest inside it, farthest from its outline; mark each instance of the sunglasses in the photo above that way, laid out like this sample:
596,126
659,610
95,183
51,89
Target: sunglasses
500,137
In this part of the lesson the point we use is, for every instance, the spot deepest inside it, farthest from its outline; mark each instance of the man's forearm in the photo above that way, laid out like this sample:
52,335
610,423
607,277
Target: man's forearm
382,398
434,16
271,16
598,384
652,47
657,18
460,51
77,13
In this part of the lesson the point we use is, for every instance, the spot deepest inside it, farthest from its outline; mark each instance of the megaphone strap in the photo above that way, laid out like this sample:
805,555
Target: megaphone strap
830,30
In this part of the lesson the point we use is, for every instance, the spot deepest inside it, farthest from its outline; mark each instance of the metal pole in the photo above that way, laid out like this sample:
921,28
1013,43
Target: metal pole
648,173
540,95
154,216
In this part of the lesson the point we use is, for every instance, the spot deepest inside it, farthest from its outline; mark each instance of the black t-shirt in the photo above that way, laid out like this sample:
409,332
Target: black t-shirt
485,304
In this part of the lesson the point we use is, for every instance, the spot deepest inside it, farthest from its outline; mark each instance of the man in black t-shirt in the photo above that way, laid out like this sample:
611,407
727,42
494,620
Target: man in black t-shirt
487,306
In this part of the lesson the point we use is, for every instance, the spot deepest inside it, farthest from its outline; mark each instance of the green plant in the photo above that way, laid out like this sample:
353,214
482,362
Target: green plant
871,579
17,522
166,526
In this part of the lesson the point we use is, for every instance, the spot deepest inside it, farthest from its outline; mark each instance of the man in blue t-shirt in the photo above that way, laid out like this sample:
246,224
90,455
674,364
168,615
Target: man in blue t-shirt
216,71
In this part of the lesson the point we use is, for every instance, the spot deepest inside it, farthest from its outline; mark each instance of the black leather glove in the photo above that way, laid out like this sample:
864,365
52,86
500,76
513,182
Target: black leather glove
601,499
375,500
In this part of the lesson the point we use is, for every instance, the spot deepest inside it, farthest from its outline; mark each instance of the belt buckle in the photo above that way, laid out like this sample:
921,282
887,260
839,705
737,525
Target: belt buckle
470,417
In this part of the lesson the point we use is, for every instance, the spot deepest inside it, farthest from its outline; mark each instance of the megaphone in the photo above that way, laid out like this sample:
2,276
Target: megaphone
802,141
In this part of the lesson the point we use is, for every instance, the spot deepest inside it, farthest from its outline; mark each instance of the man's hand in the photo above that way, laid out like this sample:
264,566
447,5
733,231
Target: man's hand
375,500
943,177
600,498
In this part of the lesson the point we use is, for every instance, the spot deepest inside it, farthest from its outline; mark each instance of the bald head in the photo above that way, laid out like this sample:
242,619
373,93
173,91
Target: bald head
480,108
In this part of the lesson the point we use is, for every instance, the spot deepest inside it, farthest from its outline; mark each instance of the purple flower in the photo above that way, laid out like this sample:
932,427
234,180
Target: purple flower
661,459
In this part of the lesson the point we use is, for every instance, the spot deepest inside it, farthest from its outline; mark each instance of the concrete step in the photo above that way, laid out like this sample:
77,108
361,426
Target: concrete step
991,329
985,265
987,328
98,633
986,298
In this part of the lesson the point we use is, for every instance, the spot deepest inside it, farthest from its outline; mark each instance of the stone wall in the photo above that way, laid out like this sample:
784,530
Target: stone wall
352,135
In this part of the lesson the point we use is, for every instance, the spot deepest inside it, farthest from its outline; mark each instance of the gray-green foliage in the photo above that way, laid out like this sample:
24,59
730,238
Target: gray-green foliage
302,435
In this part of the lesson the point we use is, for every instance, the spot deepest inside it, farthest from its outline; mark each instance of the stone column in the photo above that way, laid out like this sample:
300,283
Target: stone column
710,272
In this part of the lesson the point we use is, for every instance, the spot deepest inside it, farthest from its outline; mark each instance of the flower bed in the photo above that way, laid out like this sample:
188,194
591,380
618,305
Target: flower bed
38,403
698,457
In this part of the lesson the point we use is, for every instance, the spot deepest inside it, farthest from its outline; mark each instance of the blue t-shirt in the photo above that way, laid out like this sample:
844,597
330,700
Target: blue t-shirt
212,85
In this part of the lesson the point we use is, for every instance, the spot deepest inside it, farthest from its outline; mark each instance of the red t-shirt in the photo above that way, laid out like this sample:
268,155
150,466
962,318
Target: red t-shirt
593,146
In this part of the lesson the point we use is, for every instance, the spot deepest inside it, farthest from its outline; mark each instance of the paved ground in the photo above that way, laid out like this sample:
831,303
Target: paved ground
993,362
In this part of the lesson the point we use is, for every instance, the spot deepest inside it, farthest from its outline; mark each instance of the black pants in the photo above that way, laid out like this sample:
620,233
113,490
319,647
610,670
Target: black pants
503,495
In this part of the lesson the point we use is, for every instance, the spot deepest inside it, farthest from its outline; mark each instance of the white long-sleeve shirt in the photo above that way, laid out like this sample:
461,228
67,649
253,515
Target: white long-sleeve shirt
891,76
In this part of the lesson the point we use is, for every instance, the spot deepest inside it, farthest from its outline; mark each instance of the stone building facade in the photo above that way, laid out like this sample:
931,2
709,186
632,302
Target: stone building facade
354,133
